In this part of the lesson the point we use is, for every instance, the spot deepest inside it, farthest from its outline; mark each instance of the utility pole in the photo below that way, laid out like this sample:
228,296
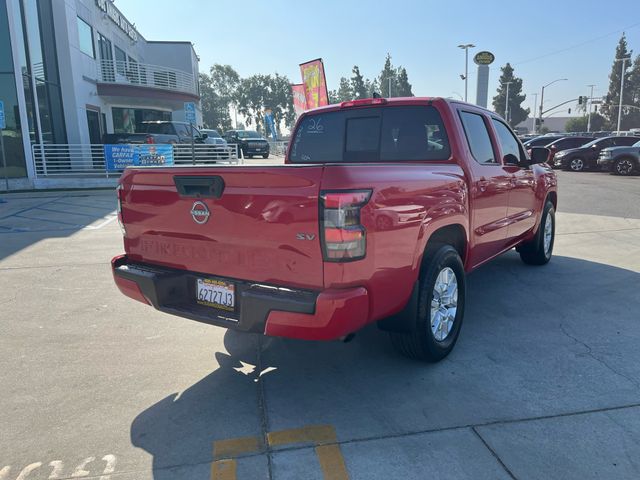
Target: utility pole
466,48
533,113
624,63
589,116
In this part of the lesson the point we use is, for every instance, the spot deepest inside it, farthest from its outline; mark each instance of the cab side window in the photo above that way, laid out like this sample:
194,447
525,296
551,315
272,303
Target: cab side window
508,142
478,138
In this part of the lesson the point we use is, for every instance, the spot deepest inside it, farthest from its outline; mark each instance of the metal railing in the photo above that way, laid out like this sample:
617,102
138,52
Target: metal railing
87,161
146,75
278,149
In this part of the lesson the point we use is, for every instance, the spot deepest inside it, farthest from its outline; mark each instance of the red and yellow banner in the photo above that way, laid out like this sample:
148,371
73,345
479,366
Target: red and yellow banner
315,83
299,98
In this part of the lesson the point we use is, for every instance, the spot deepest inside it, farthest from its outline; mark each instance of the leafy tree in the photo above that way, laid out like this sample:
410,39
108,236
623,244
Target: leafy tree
388,76
579,124
610,106
258,92
345,92
214,113
358,85
632,116
217,91
404,87
516,113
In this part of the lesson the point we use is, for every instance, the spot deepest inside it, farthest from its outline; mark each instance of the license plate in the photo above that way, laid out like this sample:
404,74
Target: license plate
216,294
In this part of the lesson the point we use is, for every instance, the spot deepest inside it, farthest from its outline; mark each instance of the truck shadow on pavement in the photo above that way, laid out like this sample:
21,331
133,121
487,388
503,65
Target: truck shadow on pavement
25,220
534,344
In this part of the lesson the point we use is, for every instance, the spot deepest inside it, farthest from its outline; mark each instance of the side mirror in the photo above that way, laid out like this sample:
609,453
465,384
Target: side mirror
539,155
594,146
204,136
511,159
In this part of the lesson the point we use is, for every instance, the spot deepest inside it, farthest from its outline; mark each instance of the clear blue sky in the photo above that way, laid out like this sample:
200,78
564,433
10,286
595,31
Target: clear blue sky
545,41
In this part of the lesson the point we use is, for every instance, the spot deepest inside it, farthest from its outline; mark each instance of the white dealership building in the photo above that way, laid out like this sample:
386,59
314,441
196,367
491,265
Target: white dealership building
73,70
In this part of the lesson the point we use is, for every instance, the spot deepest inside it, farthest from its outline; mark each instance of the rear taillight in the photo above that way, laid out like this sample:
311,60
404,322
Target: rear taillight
120,195
343,236
149,139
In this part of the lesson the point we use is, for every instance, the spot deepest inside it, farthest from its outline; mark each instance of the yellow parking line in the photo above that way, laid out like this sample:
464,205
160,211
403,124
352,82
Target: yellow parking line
322,437
223,470
316,434
235,446
329,456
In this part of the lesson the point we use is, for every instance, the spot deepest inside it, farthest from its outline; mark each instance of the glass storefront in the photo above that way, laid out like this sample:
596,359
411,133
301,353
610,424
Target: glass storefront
129,120
12,134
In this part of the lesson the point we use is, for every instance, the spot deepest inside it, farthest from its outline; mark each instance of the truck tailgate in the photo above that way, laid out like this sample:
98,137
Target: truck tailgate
262,228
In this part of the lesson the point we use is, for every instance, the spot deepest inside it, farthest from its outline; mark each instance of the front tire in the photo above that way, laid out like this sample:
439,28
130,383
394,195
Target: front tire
576,164
440,308
538,251
266,155
623,166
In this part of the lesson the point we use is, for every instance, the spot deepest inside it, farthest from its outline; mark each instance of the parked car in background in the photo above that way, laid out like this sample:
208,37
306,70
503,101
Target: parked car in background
586,157
214,136
249,142
542,141
621,160
565,144
166,132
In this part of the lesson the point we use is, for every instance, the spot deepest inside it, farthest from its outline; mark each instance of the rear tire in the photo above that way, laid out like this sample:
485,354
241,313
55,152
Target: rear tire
440,307
538,251
266,155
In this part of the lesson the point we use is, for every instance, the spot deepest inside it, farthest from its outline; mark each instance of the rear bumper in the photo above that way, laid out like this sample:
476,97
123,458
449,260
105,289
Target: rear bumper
265,309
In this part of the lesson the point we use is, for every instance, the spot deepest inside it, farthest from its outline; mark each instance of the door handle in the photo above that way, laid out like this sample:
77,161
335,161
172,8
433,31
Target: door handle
482,184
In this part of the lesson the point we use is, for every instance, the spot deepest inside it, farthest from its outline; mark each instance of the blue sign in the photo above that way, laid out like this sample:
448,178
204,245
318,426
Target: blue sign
190,112
271,125
3,124
119,157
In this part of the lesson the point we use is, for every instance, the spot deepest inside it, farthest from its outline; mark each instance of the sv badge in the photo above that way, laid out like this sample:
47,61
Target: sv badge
305,236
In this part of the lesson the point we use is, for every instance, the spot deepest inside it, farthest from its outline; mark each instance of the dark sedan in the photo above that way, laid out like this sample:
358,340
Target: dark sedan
565,144
586,157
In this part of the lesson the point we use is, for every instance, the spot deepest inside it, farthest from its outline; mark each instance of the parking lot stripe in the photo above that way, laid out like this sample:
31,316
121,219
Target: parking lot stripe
315,434
235,446
224,470
332,462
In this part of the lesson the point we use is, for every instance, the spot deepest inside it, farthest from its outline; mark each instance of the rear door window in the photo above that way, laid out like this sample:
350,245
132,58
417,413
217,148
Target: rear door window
371,134
478,138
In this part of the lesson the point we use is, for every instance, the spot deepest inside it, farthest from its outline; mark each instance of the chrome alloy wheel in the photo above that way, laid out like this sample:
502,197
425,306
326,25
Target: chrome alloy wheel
444,304
577,164
548,233
624,167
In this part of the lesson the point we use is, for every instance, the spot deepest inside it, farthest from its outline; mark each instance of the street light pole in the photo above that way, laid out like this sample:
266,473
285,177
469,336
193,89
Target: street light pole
624,63
590,100
542,95
466,48
506,102
533,113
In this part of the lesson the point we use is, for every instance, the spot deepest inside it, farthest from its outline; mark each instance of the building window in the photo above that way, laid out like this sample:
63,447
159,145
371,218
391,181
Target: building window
85,35
129,120
121,61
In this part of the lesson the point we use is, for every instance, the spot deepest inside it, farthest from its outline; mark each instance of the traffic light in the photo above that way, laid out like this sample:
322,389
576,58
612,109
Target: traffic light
595,108
569,111
579,100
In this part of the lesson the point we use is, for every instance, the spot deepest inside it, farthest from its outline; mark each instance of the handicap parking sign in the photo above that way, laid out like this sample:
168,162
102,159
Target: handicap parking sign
3,124
190,112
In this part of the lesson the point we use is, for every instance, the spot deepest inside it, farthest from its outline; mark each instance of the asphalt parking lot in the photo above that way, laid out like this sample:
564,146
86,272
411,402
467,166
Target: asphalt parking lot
544,382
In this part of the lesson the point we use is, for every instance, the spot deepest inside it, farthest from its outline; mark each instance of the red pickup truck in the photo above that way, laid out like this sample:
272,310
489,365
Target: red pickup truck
380,210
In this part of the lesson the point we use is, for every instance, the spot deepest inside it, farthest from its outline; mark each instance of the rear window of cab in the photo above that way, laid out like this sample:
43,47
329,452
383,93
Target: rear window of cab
372,134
